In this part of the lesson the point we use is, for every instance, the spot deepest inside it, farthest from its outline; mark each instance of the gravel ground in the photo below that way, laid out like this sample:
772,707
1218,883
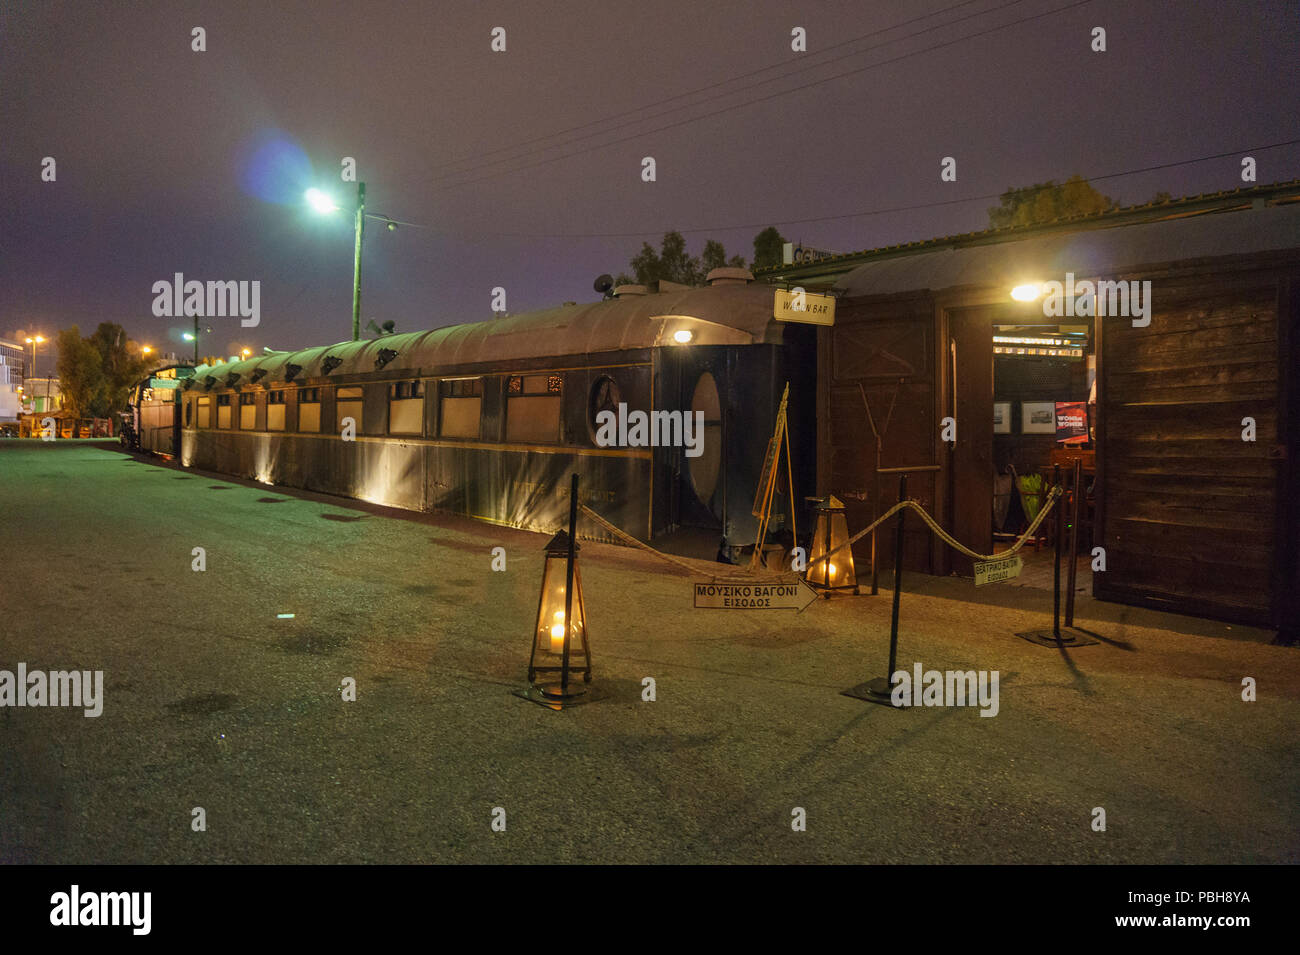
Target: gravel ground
212,701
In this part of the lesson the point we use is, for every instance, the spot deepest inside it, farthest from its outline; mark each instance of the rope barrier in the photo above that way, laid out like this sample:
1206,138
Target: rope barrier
1052,497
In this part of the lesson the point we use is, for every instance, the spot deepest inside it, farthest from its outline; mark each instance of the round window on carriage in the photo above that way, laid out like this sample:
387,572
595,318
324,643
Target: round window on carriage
706,468
605,396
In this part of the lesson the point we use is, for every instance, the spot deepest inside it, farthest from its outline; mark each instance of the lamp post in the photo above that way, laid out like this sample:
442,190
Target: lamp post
322,203
34,341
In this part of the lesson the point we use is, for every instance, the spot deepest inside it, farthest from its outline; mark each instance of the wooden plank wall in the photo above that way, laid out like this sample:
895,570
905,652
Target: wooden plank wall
1188,507
886,350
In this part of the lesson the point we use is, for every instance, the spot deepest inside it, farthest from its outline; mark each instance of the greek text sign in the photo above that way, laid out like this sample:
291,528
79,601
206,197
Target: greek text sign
794,596
993,571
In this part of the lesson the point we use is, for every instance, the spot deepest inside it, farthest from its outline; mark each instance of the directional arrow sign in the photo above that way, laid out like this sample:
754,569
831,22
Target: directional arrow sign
716,596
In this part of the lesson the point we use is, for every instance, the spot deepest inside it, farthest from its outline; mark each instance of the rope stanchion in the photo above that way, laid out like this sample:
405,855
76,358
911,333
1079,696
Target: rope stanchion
943,535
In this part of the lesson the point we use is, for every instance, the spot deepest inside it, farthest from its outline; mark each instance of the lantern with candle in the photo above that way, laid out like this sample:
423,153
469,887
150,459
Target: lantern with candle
554,607
830,534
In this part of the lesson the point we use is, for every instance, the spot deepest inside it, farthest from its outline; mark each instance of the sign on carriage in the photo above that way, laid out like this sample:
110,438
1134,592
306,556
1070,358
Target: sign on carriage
780,596
994,571
796,305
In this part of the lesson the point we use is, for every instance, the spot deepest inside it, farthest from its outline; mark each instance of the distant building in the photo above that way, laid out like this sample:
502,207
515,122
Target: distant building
41,394
11,381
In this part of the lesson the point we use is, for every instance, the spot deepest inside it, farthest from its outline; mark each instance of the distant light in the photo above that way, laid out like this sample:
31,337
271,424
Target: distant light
284,616
188,337
1025,293
146,350
246,352
320,202
683,336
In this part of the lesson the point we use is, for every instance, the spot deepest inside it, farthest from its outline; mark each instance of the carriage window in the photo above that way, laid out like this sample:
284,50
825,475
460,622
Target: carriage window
533,409
223,411
248,411
349,406
460,403
205,411
406,407
275,411
309,410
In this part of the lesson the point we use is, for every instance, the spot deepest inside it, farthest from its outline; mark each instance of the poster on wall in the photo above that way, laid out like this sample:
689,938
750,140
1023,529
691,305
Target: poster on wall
1071,422
1037,417
1001,417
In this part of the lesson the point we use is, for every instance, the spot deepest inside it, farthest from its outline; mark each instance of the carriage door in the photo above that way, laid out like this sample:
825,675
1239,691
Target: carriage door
969,371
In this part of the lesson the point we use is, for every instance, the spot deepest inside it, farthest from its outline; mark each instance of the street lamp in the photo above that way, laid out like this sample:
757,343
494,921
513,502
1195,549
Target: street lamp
322,203
34,342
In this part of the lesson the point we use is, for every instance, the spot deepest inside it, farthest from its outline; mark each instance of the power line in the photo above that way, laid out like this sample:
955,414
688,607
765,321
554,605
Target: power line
770,96
871,212
703,89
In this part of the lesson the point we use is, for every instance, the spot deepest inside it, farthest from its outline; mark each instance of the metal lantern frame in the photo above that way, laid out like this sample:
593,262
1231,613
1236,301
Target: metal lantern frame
830,512
575,620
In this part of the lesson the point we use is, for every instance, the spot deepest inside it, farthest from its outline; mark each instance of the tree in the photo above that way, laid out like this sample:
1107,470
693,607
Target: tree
1046,201
122,365
81,374
768,248
672,263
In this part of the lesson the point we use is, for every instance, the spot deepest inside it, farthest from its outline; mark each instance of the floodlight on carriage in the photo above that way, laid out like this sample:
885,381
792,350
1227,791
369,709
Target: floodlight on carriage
836,571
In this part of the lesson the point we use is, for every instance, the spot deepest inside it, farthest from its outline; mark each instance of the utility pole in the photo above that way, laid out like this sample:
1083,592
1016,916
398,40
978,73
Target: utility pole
356,268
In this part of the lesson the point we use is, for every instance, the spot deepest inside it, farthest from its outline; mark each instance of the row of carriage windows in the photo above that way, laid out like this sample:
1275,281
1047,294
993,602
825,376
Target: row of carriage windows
532,408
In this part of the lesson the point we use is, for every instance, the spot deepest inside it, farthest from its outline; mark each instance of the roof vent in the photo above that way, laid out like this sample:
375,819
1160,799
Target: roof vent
291,371
629,290
232,378
385,356
728,275
257,376
330,363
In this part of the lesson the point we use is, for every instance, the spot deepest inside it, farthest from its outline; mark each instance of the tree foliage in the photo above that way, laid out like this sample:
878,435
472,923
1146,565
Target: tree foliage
673,263
1046,201
96,373
768,246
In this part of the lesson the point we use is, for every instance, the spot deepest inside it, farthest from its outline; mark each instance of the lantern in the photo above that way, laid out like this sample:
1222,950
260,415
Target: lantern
836,571
549,653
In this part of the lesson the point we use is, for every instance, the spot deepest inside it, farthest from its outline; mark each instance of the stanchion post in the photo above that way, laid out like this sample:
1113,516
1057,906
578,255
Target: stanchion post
1056,568
898,581
875,515
1073,554
568,585
881,689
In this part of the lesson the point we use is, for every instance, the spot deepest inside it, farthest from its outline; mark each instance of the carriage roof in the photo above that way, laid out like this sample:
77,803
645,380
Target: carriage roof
717,315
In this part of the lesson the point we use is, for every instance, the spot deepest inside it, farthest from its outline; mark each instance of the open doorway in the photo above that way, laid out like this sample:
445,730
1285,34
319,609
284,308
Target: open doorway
1044,416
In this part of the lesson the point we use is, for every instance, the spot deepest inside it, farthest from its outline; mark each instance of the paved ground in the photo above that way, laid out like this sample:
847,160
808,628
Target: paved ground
212,701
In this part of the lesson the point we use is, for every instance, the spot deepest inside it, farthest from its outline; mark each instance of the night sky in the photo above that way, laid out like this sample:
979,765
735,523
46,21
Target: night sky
170,160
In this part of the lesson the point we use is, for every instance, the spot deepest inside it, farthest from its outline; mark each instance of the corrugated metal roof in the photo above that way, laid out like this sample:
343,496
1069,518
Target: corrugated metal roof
1157,209
1085,253
718,315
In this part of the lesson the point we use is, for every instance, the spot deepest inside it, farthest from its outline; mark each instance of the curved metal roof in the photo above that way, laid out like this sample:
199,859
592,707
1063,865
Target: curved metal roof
718,315
1085,253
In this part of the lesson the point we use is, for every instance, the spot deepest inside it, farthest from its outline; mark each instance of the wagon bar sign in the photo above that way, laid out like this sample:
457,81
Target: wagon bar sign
796,305
715,596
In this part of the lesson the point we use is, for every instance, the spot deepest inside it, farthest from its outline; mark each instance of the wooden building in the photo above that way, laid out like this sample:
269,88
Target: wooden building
1194,516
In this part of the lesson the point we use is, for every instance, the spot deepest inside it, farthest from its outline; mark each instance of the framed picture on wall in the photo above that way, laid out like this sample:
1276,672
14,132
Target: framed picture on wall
1038,417
1001,417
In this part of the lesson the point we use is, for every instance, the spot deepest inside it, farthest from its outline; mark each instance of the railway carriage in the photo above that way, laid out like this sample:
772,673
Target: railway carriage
489,419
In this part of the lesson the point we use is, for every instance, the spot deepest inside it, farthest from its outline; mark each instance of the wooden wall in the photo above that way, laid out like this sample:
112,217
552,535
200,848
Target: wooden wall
884,350
1188,509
